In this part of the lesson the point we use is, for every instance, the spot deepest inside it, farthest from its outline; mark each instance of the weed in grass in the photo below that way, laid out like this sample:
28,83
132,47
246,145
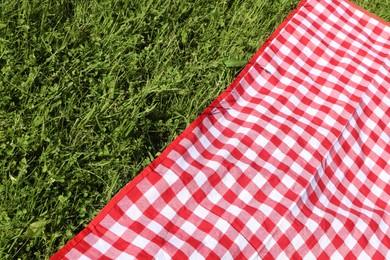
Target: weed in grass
92,91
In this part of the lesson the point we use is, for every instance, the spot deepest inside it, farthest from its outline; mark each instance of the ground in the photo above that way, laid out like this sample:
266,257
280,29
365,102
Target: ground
92,91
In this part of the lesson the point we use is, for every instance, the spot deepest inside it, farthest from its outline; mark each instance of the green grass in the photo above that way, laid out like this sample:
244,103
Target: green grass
92,91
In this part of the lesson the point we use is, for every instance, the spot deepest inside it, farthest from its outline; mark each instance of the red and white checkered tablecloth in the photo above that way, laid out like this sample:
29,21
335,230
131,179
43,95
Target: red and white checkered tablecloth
291,161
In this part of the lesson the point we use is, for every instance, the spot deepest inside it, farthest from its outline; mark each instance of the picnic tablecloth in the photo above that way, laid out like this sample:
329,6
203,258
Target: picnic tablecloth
291,161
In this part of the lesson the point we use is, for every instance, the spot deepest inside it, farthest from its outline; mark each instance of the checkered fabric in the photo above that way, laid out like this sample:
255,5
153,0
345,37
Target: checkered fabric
291,161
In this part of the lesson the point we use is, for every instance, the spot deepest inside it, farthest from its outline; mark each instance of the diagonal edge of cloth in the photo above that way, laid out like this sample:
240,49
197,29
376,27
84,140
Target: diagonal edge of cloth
285,212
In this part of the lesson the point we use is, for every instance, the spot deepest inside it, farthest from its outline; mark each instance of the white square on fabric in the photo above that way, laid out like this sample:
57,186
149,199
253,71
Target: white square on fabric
307,51
379,112
310,255
283,225
133,212
270,100
315,72
241,242
332,79
329,120
201,212
228,180
278,154
315,41
214,164
378,150
251,155
320,8
348,161
294,41
210,242
379,79
326,26
384,227
305,155
269,242
285,110
259,180
161,254
282,256
384,176
275,195
253,224
322,62
182,163
118,229
234,210
355,78
261,141
188,227
336,255
300,30
341,70
289,141
222,225
102,246
300,62
270,167
194,153
204,141
374,241
286,81
155,227
227,255
363,255
297,129
176,242
152,194
242,165
200,179
370,163
311,225
324,242
170,177
314,143
288,181
353,190
214,196
266,210
294,100
286,51
297,242
376,191
245,196
271,128
296,168
262,82
337,225
341,35
168,212
251,91
195,255
361,226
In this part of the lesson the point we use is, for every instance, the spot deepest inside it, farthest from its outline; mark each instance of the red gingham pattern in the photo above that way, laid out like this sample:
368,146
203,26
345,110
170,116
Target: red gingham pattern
291,161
